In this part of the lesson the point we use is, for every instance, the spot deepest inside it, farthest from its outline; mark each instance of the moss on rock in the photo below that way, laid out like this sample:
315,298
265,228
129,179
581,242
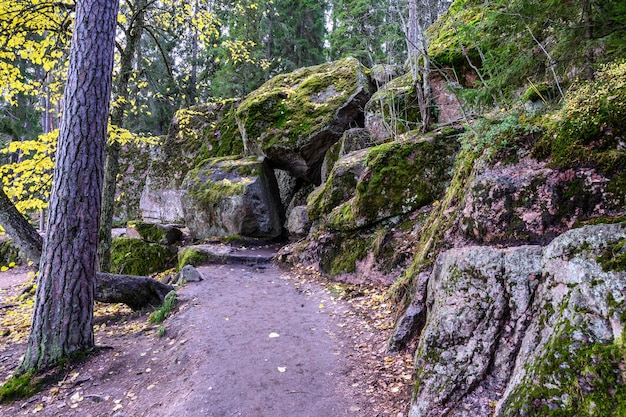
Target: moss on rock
573,379
136,257
294,118
393,109
192,256
400,177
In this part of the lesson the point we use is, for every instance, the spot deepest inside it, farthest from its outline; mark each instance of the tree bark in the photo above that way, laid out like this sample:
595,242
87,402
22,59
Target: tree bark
63,315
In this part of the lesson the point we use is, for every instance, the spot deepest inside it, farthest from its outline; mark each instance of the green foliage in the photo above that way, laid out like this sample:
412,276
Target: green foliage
18,387
513,43
590,126
165,310
498,135
137,257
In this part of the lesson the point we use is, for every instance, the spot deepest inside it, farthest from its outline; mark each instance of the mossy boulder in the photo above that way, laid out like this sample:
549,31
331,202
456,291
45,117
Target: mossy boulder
154,233
130,256
202,254
393,109
399,177
294,118
232,196
196,133
525,331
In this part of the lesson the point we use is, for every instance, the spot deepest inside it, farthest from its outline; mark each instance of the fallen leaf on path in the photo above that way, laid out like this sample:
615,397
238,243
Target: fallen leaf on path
281,369
273,335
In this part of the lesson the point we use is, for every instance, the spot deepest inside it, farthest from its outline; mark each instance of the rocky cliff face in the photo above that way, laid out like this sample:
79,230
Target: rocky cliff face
525,330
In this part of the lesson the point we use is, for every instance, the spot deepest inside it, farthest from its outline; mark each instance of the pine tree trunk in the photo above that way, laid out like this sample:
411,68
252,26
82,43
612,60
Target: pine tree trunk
63,315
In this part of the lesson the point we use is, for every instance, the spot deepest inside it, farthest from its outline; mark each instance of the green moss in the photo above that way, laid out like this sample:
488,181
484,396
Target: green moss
397,103
588,128
400,177
345,251
613,257
573,379
432,235
149,232
18,387
445,39
291,106
137,257
219,178
191,256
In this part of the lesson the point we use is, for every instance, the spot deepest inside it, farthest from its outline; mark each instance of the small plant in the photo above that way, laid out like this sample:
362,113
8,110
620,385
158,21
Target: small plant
161,331
22,386
161,314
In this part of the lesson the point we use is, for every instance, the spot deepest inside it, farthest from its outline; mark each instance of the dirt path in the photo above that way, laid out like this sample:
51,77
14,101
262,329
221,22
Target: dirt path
261,348
249,341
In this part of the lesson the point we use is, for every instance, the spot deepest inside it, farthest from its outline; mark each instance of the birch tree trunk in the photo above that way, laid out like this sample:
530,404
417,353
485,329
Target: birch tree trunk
63,315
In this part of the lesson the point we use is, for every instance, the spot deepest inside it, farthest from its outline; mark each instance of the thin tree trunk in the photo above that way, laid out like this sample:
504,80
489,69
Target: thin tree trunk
22,232
112,165
63,315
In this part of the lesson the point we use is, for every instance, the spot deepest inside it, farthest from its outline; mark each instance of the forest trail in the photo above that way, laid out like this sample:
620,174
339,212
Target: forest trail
248,340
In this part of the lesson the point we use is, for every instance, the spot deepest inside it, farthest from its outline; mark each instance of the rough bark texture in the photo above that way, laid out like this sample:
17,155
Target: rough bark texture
63,315
134,291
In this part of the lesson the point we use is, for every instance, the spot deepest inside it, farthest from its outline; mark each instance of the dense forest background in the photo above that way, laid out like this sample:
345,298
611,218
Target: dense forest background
172,55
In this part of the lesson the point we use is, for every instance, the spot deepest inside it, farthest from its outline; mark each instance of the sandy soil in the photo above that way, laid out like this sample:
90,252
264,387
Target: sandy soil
246,341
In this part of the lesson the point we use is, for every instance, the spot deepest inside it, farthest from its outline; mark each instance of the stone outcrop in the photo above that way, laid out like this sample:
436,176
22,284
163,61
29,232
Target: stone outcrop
399,177
294,118
352,140
520,331
195,134
232,196
531,202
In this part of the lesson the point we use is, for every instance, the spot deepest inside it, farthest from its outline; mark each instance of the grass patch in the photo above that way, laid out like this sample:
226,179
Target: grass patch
164,311
17,387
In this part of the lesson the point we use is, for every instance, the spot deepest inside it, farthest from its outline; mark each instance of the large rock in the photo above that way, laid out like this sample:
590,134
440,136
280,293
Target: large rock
399,177
232,196
195,134
340,185
526,331
294,118
530,202
134,164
